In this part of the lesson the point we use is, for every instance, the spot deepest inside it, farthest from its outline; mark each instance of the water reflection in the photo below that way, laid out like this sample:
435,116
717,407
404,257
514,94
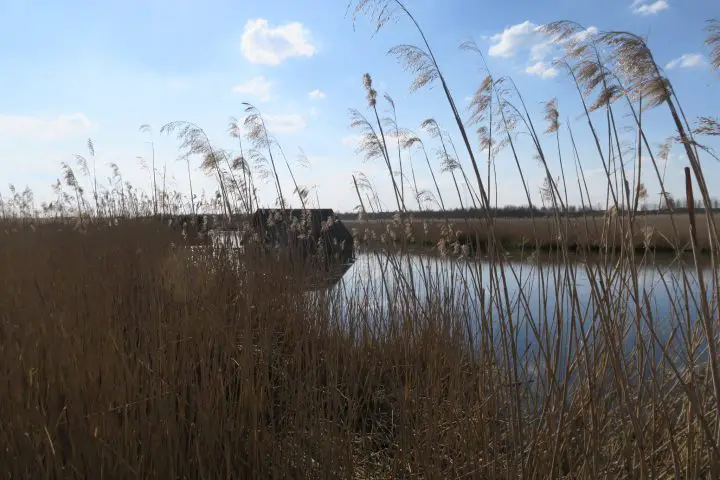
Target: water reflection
538,297
536,301
547,310
325,278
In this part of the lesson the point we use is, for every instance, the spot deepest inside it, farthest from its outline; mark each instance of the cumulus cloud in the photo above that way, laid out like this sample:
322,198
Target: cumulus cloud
515,38
585,34
542,70
258,87
284,123
44,128
528,38
687,60
317,94
643,7
266,45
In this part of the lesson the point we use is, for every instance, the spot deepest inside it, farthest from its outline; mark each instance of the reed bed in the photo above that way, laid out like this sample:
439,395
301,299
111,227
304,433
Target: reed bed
132,347
584,233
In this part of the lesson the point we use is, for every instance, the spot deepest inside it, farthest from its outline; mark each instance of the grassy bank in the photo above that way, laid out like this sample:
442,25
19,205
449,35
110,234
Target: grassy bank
663,233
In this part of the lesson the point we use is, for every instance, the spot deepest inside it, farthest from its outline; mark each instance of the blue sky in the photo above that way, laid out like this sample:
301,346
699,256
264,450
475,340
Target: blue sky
78,69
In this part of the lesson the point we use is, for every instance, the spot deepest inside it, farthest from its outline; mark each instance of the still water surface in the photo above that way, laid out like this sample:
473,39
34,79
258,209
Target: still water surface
537,300
541,299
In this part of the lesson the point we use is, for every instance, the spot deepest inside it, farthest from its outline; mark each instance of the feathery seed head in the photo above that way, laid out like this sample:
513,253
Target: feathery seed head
708,126
561,30
367,81
372,98
713,41
648,232
634,63
410,141
552,115
380,12
606,97
664,152
481,101
442,247
390,101
371,92
431,127
418,62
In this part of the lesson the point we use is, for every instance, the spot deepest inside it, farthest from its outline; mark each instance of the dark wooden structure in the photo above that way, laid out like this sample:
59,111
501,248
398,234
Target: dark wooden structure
312,232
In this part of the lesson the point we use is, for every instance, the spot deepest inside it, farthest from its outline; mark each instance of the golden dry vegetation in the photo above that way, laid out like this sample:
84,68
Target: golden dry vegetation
660,232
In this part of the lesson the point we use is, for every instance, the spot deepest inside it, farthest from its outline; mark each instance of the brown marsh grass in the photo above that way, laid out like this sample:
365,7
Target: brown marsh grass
582,233
125,357
124,353
122,359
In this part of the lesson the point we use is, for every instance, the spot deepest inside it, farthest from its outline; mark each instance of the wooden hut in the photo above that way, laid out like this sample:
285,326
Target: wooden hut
310,232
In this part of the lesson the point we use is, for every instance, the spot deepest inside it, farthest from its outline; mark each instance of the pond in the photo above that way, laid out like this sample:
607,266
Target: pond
531,304
533,301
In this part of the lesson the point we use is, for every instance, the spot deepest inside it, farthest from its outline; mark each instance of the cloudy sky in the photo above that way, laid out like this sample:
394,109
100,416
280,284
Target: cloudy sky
82,69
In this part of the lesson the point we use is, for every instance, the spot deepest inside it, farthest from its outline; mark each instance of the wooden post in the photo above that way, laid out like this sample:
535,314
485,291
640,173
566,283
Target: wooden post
690,206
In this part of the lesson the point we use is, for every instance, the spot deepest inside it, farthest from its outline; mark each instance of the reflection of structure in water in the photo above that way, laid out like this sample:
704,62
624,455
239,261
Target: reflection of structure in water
313,235
312,232
329,278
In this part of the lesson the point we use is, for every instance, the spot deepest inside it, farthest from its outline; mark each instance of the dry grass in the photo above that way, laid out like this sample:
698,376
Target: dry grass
125,357
582,233
119,358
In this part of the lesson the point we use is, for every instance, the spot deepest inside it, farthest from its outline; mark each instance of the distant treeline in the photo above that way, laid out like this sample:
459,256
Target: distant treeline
512,211
509,211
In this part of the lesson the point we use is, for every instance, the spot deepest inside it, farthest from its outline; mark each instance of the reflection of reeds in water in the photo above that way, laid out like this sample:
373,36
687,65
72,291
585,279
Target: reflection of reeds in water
122,357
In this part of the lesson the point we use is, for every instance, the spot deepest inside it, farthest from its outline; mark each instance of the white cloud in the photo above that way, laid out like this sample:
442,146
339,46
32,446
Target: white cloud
585,34
642,7
542,70
284,123
540,50
687,60
317,94
44,128
267,45
515,38
529,37
257,86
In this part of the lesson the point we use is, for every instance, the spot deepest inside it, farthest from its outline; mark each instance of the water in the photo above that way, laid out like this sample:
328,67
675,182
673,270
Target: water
536,303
